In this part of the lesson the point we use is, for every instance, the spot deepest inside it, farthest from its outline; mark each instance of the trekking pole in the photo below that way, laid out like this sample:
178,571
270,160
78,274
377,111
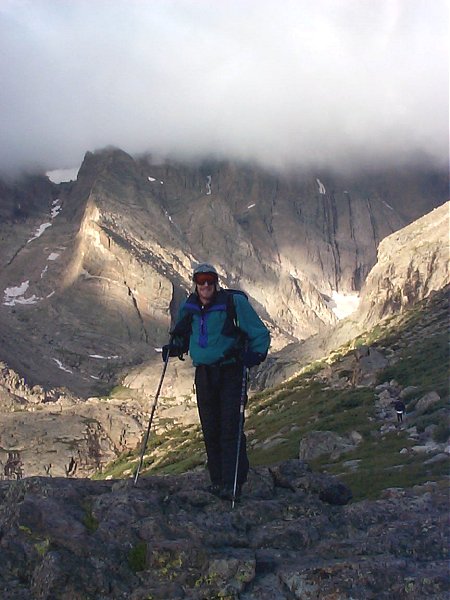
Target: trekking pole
152,412
240,431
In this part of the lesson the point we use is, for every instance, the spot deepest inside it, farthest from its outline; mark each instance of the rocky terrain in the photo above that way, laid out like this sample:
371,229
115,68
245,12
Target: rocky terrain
54,433
292,535
343,501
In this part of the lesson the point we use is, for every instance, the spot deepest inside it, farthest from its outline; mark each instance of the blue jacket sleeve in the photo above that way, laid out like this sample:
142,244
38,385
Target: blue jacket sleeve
180,338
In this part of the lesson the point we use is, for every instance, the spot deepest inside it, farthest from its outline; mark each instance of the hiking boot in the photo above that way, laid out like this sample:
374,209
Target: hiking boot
227,492
215,489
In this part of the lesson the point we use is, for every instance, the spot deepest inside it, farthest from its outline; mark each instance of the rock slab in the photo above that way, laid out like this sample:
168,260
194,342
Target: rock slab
168,538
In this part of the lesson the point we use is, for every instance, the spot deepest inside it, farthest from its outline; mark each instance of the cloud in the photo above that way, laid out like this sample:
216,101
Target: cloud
325,82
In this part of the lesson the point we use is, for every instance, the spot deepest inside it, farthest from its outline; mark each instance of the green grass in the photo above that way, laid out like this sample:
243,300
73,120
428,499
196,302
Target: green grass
309,409
375,475
117,468
424,365
175,451
137,557
442,432
89,521
119,391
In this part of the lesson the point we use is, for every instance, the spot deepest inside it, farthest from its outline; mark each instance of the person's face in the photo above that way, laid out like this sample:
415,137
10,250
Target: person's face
206,286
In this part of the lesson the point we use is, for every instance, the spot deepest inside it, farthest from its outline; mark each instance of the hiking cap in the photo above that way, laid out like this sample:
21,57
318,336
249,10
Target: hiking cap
205,268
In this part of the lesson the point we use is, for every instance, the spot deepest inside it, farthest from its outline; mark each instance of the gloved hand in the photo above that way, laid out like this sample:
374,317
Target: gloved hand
171,350
251,359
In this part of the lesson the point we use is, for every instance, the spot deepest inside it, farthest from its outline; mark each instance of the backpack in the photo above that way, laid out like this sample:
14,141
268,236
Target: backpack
183,328
231,327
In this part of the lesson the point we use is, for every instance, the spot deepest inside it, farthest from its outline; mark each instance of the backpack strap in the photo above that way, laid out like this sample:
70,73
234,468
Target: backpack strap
231,326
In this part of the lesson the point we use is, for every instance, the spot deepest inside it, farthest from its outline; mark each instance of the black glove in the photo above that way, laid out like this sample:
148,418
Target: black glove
171,350
251,359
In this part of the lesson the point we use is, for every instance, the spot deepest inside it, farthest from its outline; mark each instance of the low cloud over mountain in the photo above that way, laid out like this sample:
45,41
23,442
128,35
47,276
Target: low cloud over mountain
325,82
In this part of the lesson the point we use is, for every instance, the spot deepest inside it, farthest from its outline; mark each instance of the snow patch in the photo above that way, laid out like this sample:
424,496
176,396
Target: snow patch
343,305
62,175
322,189
39,231
56,208
388,205
168,216
53,256
54,212
151,179
100,356
251,205
19,290
61,366
16,295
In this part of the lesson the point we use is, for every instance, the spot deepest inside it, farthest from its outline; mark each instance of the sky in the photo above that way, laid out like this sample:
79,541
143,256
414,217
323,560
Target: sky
328,83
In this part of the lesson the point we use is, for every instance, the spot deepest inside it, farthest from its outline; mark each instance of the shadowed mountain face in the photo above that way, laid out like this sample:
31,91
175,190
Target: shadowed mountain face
92,272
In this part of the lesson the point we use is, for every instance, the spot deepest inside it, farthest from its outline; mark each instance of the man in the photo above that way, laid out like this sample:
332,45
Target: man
400,409
224,337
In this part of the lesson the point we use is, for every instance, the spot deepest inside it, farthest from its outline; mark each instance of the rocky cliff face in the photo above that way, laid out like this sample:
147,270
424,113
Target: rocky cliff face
53,433
92,271
412,263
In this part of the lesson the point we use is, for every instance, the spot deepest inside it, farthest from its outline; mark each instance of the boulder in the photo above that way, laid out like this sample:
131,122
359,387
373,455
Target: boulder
408,392
427,401
319,443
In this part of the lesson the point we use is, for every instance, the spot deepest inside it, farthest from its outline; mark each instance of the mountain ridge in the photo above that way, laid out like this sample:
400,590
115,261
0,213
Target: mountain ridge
128,233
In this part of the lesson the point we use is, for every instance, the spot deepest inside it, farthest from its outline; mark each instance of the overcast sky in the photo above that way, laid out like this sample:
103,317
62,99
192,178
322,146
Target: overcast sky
327,82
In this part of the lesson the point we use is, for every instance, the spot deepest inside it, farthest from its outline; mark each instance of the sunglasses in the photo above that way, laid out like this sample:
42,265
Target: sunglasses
205,278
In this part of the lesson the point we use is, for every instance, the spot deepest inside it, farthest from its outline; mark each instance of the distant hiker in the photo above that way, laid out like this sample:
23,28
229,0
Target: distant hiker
400,409
222,333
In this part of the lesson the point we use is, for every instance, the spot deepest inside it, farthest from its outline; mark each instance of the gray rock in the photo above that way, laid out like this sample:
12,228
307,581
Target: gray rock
408,392
427,401
426,448
352,464
168,538
437,458
318,443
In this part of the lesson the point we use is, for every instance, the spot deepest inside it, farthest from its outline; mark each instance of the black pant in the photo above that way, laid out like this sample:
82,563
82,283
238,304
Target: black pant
219,390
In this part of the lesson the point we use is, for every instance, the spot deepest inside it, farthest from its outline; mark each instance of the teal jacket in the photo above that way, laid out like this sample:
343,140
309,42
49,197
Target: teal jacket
211,338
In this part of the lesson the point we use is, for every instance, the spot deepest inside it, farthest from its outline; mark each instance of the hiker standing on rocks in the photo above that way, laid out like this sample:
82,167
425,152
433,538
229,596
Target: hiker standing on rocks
400,409
224,336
